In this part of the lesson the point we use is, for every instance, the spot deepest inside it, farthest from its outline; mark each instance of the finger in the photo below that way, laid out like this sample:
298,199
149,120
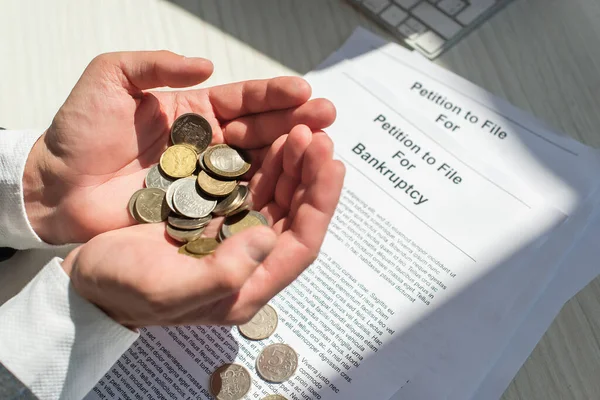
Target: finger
140,70
260,130
257,96
319,151
298,247
262,185
293,151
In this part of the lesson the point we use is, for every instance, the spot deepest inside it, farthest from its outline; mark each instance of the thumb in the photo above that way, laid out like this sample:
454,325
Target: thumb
224,272
151,69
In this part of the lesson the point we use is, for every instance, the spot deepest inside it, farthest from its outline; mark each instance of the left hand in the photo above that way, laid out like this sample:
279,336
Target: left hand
81,173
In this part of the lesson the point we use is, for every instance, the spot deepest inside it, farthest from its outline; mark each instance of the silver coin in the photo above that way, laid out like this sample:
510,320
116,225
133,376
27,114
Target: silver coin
131,206
184,235
262,325
156,179
244,220
192,129
277,363
230,382
151,205
231,202
201,162
188,223
170,191
188,200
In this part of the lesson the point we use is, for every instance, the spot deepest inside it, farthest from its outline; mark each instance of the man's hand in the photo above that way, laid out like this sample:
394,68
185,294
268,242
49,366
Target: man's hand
81,173
137,277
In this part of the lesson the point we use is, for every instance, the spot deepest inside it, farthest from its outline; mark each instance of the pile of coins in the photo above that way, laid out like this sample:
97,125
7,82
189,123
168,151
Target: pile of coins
276,363
192,183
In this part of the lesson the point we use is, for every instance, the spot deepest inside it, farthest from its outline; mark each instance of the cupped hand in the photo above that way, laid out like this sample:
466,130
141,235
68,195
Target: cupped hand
111,129
137,277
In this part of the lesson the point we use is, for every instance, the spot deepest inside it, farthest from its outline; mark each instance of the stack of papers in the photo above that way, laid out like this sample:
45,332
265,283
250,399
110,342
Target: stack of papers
463,227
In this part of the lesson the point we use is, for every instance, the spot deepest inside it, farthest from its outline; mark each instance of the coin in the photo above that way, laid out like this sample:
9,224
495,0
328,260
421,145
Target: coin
230,202
262,325
183,251
192,129
178,161
190,202
151,205
277,363
230,382
156,179
131,206
225,162
201,160
239,222
215,187
202,246
170,192
274,397
184,235
188,223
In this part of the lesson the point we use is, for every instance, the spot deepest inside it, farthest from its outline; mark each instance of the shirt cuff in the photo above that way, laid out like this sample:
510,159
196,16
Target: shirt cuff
15,229
56,342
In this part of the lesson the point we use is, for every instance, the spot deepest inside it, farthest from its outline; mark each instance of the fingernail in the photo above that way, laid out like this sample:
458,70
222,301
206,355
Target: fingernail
261,244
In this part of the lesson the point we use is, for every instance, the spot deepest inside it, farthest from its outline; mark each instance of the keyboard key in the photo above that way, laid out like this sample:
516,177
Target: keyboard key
393,15
412,28
436,19
376,5
451,7
430,42
473,11
406,4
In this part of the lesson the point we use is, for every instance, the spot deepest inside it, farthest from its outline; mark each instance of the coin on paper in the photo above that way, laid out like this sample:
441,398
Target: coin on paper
192,129
179,161
225,162
274,397
157,179
151,205
184,235
202,246
230,382
244,220
188,201
262,325
277,363
131,206
215,187
188,223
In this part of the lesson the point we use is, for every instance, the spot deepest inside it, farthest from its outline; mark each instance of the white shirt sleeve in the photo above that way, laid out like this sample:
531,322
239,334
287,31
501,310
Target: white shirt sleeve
15,229
53,340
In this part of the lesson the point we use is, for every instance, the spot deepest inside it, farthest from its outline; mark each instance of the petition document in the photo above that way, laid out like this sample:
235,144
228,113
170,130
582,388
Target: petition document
418,221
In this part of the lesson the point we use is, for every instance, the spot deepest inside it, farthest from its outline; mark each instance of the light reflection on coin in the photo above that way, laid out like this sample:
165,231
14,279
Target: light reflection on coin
277,363
151,205
184,235
225,162
179,161
156,179
215,187
192,129
262,325
190,202
239,222
230,382
170,191
131,206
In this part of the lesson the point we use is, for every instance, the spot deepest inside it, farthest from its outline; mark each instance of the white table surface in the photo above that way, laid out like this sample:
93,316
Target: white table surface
541,55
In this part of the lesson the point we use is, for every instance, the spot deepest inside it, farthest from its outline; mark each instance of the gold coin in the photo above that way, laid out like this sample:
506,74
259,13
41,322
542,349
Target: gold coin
182,235
183,251
151,205
179,161
244,220
202,246
215,187
225,162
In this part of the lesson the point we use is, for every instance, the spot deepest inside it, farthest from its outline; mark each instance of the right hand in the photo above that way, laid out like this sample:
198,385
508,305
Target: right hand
136,276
